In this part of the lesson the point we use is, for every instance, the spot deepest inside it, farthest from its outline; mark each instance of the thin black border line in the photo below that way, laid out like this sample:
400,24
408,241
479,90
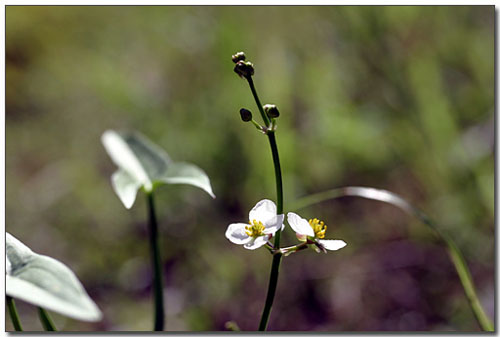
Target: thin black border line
295,333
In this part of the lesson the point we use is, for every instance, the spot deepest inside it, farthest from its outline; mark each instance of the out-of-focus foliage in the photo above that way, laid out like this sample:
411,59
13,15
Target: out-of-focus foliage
400,98
144,165
45,282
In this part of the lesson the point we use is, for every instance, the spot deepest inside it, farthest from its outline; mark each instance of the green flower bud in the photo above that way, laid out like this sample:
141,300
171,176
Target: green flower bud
239,56
271,110
244,69
246,115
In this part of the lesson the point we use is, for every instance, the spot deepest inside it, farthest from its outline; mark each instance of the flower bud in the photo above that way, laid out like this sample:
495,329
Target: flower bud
239,56
246,115
271,110
244,69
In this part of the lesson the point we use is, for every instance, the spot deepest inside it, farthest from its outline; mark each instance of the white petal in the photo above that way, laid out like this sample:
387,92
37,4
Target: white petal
301,237
332,244
264,211
299,225
274,224
257,242
236,233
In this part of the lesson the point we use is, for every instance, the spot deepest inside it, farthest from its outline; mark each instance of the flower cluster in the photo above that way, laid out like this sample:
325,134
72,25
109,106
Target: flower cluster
264,223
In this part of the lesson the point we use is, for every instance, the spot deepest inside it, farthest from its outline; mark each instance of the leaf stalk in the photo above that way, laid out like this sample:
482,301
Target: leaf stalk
11,305
47,323
159,320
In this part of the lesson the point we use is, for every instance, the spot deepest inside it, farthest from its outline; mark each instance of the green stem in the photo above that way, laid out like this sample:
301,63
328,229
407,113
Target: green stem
259,105
279,182
13,313
466,279
275,266
292,249
47,323
385,196
463,272
271,291
156,263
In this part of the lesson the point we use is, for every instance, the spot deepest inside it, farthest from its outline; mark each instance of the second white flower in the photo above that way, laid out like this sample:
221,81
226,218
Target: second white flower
313,231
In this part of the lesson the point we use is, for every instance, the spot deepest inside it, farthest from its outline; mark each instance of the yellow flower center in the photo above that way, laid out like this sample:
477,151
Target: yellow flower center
318,227
255,229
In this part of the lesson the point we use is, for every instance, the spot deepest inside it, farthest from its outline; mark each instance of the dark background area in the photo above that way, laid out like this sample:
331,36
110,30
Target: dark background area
400,98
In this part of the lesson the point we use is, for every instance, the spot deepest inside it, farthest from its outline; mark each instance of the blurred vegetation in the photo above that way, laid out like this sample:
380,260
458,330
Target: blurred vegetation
400,98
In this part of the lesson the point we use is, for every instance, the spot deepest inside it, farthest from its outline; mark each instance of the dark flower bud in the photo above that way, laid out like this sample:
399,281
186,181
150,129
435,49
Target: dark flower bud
246,115
244,69
239,56
271,110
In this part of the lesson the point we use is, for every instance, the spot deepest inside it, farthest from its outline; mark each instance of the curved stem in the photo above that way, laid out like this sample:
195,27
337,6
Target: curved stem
275,266
47,323
156,264
273,277
456,256
13,313
259,105
279,181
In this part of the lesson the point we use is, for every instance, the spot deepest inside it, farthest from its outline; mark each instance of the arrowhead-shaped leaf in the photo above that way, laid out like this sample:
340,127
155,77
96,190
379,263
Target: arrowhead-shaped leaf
46,282
141,163
185,173
136,155
125,186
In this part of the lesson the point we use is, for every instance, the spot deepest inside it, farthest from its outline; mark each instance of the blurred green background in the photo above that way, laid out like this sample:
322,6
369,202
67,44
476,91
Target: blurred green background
400,98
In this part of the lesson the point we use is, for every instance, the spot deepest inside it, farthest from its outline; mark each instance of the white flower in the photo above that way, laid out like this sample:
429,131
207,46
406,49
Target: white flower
314,231
264,222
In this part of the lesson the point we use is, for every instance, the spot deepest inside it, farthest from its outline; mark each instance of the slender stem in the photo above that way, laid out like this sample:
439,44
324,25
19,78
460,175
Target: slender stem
271,291
156,263
468,285
279,182
292,249
275,266
47,323
259,105
257,125
13,313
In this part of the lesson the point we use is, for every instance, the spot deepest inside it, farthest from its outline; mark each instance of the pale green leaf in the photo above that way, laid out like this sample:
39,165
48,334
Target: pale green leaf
125,187
141,163
185,173
136,155
46,282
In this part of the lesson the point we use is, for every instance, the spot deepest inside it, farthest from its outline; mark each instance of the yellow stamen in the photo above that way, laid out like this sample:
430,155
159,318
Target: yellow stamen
318,227
255,229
